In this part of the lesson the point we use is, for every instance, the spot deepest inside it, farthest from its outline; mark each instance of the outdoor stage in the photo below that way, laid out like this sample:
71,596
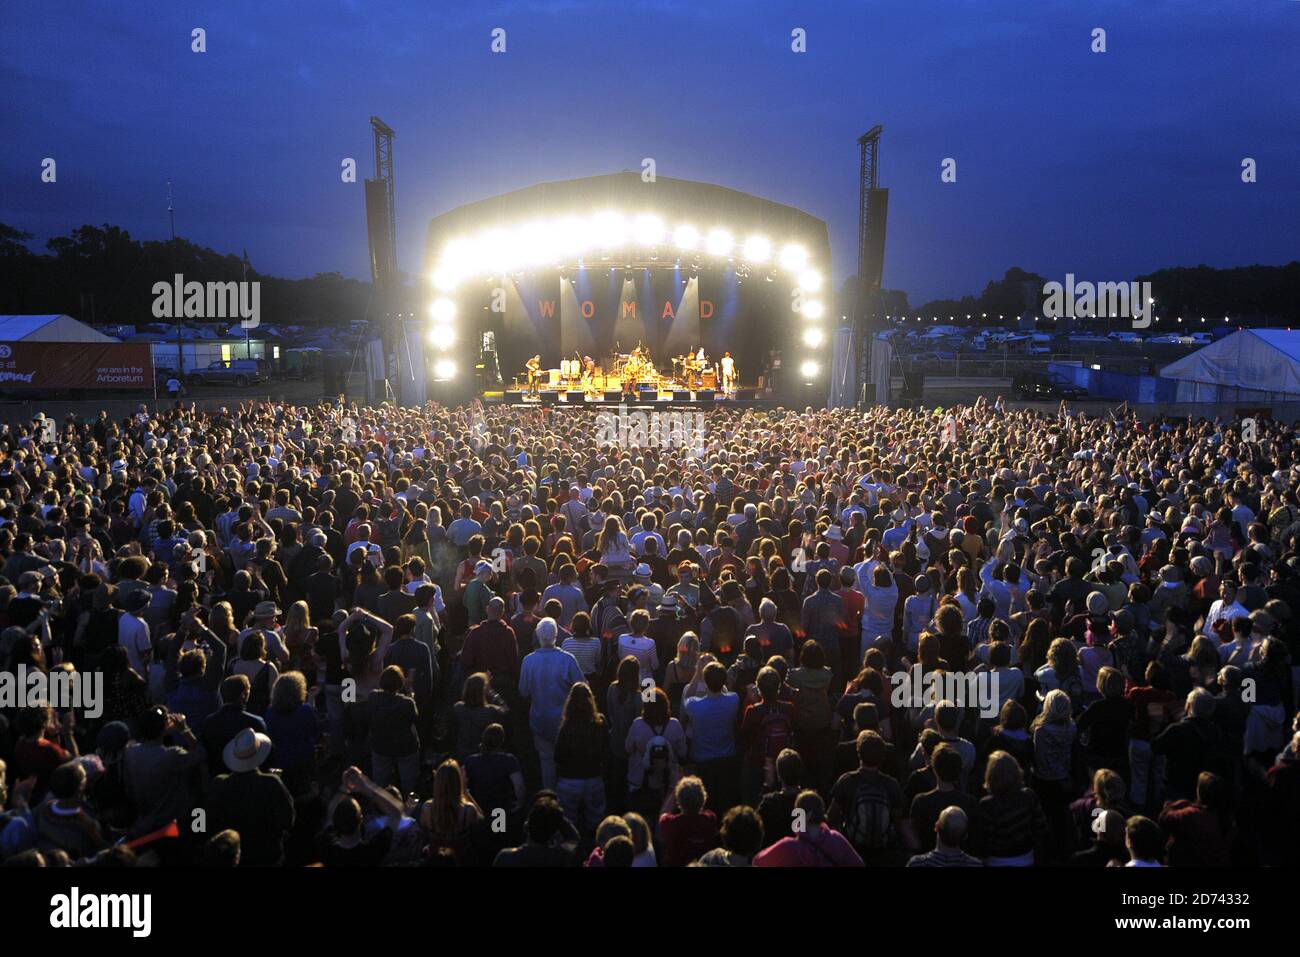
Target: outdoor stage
707,398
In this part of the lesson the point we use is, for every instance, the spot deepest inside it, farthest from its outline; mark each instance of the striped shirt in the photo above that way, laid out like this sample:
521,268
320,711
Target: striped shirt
945,858
586,651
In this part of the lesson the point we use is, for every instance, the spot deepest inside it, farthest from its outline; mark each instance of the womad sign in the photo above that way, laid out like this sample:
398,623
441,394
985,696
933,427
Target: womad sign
75,365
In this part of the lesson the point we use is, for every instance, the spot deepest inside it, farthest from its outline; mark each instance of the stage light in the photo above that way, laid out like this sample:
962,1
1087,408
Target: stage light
809,369
810,280
444,279
570,236
794,258
497,251
813,338
443,310
534,244
610,229
758,249
686,237
719,242
444,369
813,309
442,337
648,230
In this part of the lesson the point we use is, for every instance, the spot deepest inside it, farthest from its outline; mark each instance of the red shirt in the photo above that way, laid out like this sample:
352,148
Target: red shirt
687,836
491,646
1152,710
855,603
823,847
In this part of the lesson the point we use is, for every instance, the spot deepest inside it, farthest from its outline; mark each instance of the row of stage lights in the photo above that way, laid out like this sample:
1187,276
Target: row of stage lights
543,242
500,251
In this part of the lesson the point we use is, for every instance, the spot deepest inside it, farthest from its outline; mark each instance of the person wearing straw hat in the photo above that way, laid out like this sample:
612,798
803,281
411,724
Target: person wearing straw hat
265,614
250,801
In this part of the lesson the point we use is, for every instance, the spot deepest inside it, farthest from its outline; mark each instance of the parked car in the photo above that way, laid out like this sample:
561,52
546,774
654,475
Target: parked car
1046,385
236,372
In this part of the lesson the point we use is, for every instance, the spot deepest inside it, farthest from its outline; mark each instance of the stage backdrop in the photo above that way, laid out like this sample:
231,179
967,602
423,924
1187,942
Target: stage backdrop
75,365
596,311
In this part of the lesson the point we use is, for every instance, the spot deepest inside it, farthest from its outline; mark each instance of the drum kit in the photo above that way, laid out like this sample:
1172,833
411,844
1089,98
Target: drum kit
694,372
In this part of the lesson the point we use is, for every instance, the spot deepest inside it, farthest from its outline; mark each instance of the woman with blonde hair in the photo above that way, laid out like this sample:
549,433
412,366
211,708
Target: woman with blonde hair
696,688
449,817
1011,825
614,546
300,639
682,670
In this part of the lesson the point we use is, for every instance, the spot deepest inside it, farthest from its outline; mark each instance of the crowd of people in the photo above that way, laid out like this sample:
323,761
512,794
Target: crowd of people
439,636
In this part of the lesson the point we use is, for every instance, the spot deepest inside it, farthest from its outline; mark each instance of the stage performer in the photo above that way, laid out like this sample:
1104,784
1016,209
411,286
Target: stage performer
728,373
534,369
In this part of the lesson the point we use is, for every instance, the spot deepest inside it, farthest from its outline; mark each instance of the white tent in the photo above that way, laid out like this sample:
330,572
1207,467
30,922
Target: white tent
48,328
1256,360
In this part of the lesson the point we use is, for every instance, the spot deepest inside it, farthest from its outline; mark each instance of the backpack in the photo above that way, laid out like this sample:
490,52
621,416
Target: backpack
657,762
869,824
775,731
259,697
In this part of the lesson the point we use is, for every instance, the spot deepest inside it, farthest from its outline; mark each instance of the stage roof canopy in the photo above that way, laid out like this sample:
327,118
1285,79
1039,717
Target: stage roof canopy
1261,360
704,206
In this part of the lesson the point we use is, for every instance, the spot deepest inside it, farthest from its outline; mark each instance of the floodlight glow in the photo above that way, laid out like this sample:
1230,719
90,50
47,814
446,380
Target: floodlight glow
813,309
442,337
533,244
794,258
758,249
813,338
648,230
610,229
571,235
810,280
443,310
686,237
809,369
719,242
444,278
496,249
444,369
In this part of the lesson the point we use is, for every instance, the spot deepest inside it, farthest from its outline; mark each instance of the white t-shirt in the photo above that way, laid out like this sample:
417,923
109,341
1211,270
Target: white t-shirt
133,635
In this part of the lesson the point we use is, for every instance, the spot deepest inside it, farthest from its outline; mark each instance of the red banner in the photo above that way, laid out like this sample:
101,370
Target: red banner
75,365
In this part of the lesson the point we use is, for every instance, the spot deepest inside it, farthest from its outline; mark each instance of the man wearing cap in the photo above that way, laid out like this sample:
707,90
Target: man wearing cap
133,633
251,802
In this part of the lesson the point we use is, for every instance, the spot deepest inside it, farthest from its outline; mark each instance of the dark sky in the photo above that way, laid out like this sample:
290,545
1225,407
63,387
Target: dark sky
1105,165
